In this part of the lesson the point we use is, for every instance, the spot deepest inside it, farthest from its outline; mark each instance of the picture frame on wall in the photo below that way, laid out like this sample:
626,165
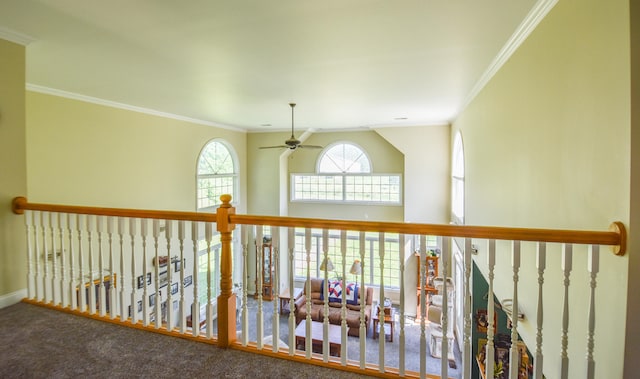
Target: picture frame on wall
152,299
177,265
141,280
174,288
163,279
188,281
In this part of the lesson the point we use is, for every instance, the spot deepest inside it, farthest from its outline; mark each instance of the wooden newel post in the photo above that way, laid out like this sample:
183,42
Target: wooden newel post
227,299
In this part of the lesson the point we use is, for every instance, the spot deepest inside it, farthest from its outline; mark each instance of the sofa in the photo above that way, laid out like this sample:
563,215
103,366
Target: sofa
335,305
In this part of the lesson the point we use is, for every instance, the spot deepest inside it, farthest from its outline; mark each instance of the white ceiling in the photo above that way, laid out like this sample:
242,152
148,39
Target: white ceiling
238,63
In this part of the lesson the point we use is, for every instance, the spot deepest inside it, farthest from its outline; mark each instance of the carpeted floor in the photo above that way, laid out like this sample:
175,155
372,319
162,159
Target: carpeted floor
391,349
41,343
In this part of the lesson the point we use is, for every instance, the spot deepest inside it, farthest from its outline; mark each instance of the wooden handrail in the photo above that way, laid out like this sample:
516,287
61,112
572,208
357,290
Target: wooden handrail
615,237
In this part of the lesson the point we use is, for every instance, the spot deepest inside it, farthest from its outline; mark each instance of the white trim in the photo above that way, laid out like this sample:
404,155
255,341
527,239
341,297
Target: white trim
15,37
133,108
535,15
12,298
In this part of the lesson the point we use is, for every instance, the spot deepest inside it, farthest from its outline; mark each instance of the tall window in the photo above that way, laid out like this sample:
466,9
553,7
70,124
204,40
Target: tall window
217,174
457,181
344,175
371,274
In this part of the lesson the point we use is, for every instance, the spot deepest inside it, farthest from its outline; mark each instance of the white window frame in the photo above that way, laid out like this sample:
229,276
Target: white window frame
457,180
339,181
233,176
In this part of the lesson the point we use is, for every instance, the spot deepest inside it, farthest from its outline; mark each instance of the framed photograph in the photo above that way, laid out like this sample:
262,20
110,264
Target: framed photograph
141,280
174,288
152,299
188,281
163,279
177,266
139,306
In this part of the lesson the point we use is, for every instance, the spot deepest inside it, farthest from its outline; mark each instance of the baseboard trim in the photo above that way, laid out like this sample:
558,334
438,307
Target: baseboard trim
12,298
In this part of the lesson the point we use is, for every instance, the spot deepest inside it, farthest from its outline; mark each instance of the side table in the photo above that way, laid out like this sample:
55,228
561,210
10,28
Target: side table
388,319
285,297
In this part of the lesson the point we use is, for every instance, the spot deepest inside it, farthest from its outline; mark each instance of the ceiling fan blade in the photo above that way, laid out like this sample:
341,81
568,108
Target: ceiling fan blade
310,147
274,147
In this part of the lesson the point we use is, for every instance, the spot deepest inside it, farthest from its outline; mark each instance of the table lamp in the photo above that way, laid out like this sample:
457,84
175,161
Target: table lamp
327,265
356,269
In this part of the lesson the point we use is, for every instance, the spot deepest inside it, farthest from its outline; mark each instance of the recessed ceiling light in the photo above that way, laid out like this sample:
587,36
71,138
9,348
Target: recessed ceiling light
265,124
400,118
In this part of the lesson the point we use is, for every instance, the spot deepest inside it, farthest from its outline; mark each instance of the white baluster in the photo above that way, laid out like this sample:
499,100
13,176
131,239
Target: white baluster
195,308
325,290
343,308
514,359
183,303
101,300
37,251
168,232
307,247
208,235
541,261
381,335
54,260
63,268
490,346
259,268
447,330
275,319
145,290
123,301
113,301
593,266
466,356
401,352
422,282
45,259
134,284
81,286
291,245
363,330
73,293
31,290
158,302
567,261
91,284
244,235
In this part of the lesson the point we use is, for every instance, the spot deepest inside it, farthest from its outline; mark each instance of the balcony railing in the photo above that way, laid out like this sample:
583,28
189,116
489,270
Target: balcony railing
150,269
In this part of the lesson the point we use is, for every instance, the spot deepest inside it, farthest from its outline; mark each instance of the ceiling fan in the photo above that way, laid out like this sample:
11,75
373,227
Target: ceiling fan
292,143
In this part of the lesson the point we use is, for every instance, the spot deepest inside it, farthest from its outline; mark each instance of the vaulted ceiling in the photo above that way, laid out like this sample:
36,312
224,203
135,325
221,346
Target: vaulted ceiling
348,64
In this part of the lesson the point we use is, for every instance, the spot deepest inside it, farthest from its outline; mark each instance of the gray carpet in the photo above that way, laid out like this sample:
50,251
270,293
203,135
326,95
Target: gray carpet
391,350
42,343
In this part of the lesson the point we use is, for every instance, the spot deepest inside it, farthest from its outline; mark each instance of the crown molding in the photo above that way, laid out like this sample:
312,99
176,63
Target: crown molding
114,104
15,37
534,17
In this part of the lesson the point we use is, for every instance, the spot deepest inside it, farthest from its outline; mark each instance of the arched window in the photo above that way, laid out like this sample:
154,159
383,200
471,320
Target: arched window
343,158
343,174
457,180
217,174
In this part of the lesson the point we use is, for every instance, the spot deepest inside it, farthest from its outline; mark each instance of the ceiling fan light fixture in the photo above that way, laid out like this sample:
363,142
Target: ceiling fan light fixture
292,143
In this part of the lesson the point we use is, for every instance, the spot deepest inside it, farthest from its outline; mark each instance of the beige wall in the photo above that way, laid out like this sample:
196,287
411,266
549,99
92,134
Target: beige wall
547,145
632,345
87,154
13,177
427,180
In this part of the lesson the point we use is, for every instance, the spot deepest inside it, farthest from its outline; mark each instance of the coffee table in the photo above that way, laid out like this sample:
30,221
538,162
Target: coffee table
317,335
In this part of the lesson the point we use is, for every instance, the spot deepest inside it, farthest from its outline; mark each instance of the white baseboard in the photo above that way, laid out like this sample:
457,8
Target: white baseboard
12,298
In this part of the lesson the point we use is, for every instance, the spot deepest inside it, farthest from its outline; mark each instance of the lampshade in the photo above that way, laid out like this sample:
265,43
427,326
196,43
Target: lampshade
356,267
326,265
